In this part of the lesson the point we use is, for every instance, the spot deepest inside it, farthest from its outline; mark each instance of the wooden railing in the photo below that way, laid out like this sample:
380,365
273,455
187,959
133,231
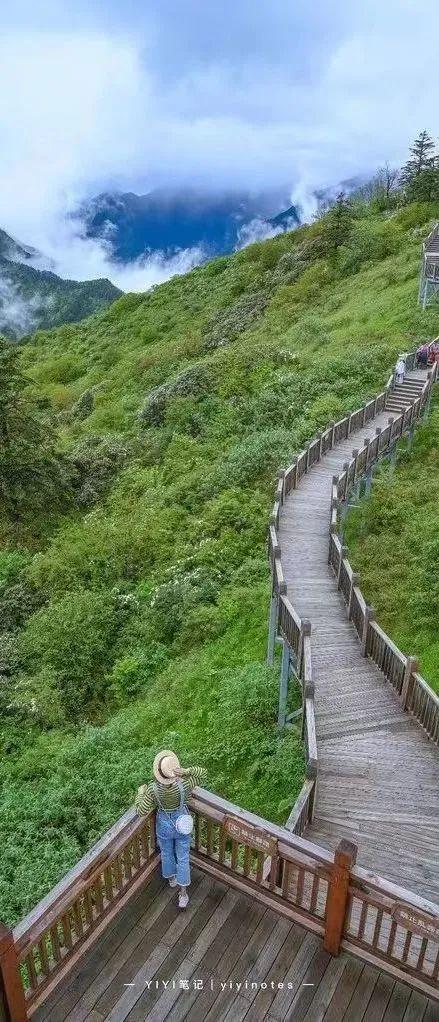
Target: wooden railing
347,906
295,635
416,695
60,929
296,638
400,670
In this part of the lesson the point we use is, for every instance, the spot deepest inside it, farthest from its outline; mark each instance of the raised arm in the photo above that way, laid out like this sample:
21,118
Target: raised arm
193,775
145,801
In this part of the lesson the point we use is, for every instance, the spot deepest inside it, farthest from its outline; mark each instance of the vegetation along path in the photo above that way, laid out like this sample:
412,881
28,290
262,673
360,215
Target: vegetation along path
378,773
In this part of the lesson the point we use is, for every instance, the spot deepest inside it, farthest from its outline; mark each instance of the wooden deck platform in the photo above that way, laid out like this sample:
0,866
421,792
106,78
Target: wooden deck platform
223,958
378,779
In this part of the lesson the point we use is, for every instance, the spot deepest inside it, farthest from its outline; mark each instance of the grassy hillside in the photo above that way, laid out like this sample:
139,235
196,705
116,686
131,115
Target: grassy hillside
137,619
394,542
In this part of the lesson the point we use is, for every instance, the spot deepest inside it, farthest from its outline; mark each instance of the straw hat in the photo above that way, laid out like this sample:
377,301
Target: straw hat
164,766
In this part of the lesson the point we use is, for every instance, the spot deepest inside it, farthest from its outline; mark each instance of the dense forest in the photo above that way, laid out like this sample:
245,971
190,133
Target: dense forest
137,463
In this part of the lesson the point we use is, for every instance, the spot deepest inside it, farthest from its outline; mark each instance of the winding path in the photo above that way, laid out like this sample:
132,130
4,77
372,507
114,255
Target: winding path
378,773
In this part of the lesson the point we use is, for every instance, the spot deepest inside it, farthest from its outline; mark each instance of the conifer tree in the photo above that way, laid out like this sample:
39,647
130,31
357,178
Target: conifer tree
421,158
338,224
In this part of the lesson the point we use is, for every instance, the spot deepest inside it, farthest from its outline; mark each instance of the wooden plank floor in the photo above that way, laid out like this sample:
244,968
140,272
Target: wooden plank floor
378,772
225,957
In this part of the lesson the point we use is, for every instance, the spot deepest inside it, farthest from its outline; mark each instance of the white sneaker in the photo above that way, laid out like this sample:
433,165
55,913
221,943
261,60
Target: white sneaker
172,881
183,899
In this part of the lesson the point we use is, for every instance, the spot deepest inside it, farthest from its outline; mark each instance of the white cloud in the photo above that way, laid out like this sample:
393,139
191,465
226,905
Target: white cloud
116,100
256,230
19,316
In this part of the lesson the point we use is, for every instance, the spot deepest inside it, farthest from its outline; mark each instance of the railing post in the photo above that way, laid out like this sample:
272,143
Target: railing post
272,626
354,582
331,438
307,458
338,893
308,692
280,486
378,432
343,552
428,401
305,629
369,615
319,436
11,987
283,684
354,458
346,485
407,682
366,443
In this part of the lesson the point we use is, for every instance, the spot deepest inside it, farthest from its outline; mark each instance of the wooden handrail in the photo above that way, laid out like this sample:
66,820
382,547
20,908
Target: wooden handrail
59,930
374,642
293,876
417,697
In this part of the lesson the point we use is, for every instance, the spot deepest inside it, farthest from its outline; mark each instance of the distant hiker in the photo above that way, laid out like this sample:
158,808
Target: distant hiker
400,369
422,355
174,824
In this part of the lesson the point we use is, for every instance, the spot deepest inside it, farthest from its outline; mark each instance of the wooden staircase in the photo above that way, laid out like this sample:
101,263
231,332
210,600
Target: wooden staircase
404,394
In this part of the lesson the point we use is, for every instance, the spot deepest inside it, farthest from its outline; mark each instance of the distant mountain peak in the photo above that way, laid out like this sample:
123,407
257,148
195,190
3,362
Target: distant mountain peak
168,221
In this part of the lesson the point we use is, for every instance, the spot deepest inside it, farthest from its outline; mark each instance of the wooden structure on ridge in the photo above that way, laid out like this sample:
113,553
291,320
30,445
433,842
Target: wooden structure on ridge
429,282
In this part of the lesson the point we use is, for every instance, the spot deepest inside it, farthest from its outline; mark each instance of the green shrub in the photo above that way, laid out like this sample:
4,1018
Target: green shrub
226,324
73,637
131,674
370,241
96,461
256,457
192,382
12,564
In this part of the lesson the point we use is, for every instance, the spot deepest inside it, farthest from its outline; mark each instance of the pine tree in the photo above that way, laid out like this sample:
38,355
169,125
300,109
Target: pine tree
338,224
421,157
33,475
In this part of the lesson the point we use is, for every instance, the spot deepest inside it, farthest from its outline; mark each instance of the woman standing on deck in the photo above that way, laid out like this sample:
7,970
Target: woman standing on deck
169,794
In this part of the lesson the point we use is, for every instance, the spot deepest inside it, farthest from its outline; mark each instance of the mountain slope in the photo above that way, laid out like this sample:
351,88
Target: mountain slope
14,251
32,299
137,619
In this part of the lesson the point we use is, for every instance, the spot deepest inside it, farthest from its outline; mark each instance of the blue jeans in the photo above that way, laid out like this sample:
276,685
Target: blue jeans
174,848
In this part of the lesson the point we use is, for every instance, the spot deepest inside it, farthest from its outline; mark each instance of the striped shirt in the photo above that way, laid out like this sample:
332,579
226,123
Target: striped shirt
169,794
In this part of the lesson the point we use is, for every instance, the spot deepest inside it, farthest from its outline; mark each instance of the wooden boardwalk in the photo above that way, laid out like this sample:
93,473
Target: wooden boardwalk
378,778
223,958
270,912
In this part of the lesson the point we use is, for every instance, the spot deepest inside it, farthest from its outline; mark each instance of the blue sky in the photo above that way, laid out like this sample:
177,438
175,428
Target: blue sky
241,94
